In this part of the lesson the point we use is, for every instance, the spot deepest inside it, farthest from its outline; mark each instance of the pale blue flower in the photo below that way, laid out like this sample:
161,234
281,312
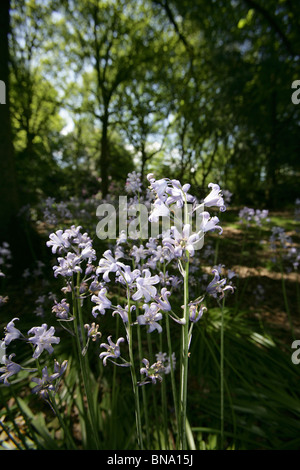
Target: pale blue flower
102,302
139,253
153,373
158,209
61,309
42,339
218,286
162,300
107,265
126,276
113,351
145,286
150,318
167,362
215,199
45,384
88,253
58,241
133,182
209,223
159,186
68,265
196,311
11,332
180,242
179,194
9,369
123,312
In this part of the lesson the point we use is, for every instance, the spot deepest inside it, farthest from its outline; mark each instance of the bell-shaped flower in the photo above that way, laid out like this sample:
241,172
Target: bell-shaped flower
68,265
179,242
153,373
102,302
209,223
113,351
11,332
215,198
150,318
107,265
159,209
179,194
217,286
9,369
145,286
58,241
163,301
42,339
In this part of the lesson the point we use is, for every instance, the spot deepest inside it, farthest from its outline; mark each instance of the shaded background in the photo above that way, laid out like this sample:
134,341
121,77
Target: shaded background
197,90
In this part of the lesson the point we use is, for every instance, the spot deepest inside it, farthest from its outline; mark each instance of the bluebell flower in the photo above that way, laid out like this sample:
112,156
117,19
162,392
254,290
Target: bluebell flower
126,275
133,182
209,223
158,209
9,369
153,373
150,318
107,264
58,241
158,186
217,286
45,384
113,351
167,361
11,332
123,312
215,198
61,309
139,253
68,265
196,310
179,194
92,331
180,242
42,339
162,300
145,286
88,253
102,302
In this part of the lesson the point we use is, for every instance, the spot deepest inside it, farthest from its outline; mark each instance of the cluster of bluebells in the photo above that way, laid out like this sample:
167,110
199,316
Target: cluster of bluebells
284,250
133,183
41,338
256,217
5,263
144,270
148,272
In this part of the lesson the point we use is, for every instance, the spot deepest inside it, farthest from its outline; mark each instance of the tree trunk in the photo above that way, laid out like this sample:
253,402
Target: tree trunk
104,155
13,229
8,187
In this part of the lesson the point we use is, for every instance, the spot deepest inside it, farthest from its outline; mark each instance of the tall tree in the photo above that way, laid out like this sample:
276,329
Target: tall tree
8,188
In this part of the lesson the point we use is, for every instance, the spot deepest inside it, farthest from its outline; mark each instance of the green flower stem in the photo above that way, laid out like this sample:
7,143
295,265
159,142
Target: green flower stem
221,305
83,361
69,439
173,382
286,303
133,376
28,424
164,402
144,395
155,410
184,359
5,429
